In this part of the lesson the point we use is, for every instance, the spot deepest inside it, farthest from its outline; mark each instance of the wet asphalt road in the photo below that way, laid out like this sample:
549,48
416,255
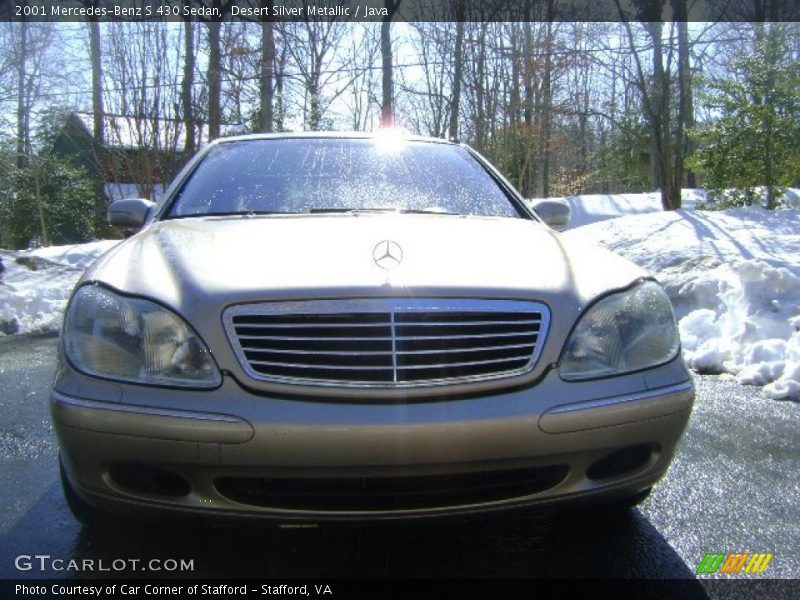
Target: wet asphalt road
734,486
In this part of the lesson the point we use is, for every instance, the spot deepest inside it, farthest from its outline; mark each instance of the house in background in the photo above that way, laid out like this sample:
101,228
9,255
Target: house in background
140,155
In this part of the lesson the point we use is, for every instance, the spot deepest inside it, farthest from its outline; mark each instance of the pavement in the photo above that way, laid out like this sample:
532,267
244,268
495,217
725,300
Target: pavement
733,486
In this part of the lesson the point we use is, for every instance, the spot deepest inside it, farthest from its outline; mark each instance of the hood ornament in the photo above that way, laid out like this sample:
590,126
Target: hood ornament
387,254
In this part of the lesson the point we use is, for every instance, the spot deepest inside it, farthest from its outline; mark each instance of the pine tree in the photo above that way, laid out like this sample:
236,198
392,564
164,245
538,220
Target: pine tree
754,143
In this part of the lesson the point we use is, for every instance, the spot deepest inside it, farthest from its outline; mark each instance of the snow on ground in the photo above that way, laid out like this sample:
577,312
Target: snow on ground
590,208
36,284
734,280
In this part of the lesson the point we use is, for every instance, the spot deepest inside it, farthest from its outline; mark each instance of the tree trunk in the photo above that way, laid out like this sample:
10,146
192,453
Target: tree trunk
769,85
40,205
687,93
267,74
527,73
684,91
530,102
214,80
186,88
543,170
655,113
314,109
458,70
387,104
279,100
515,95
480,90
96,54
22,113
663,155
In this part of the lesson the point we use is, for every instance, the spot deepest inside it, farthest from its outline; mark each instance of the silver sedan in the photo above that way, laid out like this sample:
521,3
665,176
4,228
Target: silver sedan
350,327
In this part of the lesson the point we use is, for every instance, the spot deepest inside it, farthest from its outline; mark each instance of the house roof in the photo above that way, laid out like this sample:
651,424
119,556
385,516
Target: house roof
124,131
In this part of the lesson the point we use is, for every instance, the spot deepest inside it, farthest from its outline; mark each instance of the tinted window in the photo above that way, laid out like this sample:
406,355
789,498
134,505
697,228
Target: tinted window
303,175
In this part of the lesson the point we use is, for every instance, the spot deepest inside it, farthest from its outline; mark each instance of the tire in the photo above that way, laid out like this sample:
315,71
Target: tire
632,501
615,508
85,513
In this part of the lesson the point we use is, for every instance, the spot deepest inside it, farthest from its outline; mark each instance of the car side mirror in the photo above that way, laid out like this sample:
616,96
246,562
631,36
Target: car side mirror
554,213
130,213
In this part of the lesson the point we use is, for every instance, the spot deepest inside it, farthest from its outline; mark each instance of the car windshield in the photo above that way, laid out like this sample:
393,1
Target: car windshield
307,175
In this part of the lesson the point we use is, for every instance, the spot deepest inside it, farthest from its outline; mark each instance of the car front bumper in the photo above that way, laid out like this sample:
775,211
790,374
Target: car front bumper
233,453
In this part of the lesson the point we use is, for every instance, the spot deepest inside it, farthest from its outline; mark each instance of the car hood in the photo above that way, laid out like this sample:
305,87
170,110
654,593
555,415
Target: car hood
198,266
322,256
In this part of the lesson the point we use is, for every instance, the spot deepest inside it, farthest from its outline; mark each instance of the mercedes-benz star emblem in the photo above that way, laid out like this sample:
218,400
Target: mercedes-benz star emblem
387,254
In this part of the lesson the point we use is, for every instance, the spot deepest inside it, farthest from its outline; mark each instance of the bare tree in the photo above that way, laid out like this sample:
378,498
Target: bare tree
31,70
655,95
322,70
429,97
142,122
361,99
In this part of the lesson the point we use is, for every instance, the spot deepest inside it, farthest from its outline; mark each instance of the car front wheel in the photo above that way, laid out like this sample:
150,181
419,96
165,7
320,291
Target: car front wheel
84,512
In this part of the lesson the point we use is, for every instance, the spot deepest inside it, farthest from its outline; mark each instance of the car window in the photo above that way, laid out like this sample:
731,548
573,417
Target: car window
300,175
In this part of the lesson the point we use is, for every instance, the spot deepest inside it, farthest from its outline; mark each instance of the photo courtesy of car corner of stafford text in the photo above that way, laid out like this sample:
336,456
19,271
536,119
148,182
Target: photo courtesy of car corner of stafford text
399,297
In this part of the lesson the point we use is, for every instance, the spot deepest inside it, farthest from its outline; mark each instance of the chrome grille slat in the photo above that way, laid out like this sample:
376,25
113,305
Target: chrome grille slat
387,342
318,352
311,325
462,337
463,323
322,367
321,339
454,350
466,363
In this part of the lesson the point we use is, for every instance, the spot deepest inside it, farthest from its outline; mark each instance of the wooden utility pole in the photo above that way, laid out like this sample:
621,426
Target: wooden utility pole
99,125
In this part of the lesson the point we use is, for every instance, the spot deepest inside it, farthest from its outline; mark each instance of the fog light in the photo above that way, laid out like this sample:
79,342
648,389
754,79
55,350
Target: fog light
147,480
621,462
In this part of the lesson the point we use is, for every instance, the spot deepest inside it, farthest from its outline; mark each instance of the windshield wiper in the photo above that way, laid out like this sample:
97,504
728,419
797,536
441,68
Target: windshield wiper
387,209
241,213
316,209
426,211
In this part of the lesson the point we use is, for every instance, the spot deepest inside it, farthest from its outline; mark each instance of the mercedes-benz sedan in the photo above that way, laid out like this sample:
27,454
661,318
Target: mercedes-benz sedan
348,327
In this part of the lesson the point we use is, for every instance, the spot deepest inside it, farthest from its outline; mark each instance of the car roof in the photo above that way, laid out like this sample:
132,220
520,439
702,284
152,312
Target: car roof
327,135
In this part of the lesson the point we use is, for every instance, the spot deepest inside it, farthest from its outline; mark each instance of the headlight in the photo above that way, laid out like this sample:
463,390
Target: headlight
131,339
623,332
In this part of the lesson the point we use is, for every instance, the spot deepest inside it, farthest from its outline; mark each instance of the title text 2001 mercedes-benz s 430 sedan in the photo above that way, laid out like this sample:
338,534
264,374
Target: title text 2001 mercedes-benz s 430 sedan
315,327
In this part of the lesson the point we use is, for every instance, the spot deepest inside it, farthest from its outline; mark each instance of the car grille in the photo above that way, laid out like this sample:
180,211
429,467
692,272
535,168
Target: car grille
387,342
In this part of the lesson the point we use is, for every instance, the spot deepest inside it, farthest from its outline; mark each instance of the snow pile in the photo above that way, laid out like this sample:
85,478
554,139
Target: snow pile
734,279
36,284
591,208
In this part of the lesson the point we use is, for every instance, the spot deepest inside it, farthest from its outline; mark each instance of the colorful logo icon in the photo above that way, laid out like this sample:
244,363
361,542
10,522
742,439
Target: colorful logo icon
734,563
